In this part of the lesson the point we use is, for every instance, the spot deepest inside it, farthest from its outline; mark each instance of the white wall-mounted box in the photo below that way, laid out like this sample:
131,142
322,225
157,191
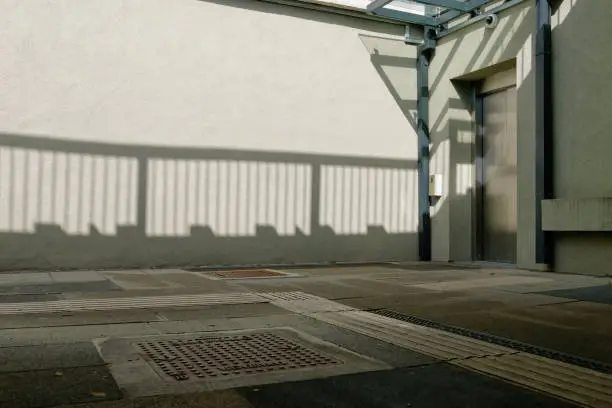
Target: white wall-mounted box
435,185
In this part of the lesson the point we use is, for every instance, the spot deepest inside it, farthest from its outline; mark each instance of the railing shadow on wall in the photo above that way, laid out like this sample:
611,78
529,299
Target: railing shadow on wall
75,204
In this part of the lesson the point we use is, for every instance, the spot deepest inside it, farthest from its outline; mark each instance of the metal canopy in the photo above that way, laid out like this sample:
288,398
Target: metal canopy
432,13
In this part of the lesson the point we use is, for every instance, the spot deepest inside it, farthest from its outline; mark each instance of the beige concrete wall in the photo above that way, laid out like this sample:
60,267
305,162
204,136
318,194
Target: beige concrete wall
461,59
156,132
582,62
577,214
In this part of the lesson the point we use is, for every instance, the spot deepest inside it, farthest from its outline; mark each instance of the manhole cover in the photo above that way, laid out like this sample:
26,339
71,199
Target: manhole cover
248,273
199,358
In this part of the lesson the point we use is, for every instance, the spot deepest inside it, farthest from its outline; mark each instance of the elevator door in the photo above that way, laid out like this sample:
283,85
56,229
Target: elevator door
499,178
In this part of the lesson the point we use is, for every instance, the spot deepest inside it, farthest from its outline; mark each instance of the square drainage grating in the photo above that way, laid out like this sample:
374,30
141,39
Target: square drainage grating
204,358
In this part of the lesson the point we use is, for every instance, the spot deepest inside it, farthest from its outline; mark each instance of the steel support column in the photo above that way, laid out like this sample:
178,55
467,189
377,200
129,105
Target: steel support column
544,134
425,53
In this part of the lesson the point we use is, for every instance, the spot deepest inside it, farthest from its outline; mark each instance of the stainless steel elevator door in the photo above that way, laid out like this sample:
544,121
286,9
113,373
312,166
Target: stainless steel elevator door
499,193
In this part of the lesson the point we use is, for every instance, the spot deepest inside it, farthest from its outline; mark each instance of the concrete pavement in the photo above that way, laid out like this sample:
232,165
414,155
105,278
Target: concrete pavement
65,337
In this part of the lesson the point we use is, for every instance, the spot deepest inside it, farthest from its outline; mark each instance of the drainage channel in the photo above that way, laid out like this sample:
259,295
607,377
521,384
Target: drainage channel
500,341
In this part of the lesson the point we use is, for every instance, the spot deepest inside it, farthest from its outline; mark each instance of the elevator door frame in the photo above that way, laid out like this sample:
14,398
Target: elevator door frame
479,167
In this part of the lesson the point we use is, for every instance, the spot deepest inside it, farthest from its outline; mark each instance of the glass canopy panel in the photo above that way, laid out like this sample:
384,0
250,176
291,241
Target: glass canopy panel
406,6
422,12
415,7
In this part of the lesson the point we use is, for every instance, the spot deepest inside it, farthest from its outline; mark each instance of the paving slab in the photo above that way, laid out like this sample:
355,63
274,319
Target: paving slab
434,266
408,278
214,399
336,289
76,276
77,319
134,280
339,287
194,326
163,271
556,285
45,388
71,334
190,280
483,282
224,324
514,300
25,278
374,287
165,279
591,312
337,270
417,301
431,386
56,356
597,294
165,291
222,312
61,287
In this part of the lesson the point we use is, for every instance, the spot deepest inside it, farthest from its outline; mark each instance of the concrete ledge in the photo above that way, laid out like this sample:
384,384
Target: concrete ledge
578,214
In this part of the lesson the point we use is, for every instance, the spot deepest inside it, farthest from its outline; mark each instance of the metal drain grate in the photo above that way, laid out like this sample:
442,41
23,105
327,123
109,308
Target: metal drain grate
500,341
230,356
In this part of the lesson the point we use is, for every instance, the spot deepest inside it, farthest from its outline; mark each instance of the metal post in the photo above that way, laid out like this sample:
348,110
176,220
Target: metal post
425,53
544,134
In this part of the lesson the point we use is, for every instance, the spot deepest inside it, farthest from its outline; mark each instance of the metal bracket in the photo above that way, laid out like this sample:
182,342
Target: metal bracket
429,41
409,39
479,17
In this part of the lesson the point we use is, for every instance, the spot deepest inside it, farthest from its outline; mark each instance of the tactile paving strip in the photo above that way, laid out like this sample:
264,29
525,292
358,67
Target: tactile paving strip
208,357
147,302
